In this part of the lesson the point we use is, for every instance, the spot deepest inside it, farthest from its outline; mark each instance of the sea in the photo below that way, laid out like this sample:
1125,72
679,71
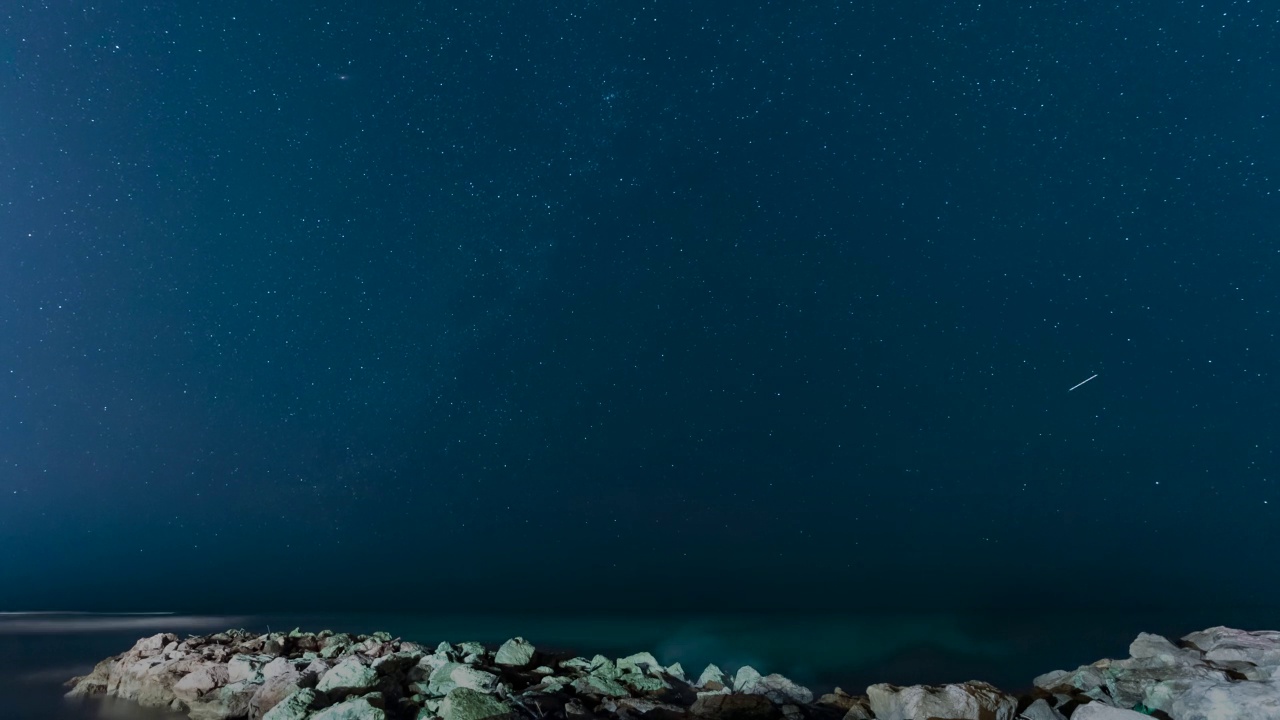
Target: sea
39,652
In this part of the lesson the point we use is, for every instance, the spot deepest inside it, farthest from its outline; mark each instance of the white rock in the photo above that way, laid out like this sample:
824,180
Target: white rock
711,674
777,688
746,674
516,652
467,676
967,701
348,676
643,663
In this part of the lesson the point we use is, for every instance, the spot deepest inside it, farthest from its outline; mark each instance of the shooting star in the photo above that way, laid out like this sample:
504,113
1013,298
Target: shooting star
1073,387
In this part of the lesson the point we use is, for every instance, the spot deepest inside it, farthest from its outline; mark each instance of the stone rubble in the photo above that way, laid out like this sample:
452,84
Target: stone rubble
1215,674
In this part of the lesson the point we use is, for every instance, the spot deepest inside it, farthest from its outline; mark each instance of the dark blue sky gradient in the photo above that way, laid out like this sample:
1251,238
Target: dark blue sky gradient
638,305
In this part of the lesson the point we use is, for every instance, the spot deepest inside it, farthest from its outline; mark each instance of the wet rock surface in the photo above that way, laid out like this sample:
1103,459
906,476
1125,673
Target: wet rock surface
1215,674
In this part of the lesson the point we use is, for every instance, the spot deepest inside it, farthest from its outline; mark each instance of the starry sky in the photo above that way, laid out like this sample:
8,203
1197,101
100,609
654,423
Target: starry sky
638,305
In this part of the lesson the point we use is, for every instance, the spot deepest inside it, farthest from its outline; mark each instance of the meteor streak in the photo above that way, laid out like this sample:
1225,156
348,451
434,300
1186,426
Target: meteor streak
1073,387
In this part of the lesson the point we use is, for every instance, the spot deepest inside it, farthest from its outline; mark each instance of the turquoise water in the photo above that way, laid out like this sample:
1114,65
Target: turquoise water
38,652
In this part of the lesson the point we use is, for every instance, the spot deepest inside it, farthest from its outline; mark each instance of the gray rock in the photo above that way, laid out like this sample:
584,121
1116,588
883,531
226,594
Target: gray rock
1041,710
676,671
354,709
643,683
348,676
641,663
201,681
466,676
711,674
441,681
467,704
95,683
599,686
746,674
603,667
225,703
294,707
1221,644
775,687
275,688
577,663
968,701
516,652
1099,711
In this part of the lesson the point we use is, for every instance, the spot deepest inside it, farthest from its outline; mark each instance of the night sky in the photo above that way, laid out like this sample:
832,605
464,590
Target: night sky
638,305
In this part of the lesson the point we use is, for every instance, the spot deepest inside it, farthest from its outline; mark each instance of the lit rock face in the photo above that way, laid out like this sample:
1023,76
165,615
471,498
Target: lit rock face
967,701
1215,674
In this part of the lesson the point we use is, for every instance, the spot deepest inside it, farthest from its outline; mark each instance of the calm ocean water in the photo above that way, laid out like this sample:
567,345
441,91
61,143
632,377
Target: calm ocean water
40,651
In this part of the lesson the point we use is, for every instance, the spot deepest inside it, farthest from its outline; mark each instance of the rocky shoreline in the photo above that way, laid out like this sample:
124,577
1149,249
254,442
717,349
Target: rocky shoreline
1215,674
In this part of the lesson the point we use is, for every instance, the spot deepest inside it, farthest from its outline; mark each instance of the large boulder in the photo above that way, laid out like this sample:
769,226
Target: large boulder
229,702
777,688
95,683
1219,672
280,684
466,704
515,652
347,677
972,700
202,681
294,707
467,676
712,675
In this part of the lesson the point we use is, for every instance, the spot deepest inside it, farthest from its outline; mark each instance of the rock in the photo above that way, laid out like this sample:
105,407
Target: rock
733,707
711,674
347,677
641,663
440,682
577,663
354,709
228,702
471,652
599,686
275,688
515,652
201,681
1041,710
676,671
643,683
968,701
151,646
1099,711
838,699
466,676
246,668
1202,699
95,683
294,707
466,704
1222,644
859,711
746,674
775,687
397,662
603,667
